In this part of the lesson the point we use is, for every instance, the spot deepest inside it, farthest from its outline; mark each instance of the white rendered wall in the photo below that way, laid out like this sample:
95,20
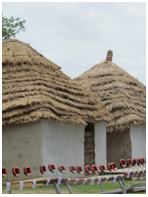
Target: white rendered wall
42,143
118,146
138,141
21,147
100,144
62,144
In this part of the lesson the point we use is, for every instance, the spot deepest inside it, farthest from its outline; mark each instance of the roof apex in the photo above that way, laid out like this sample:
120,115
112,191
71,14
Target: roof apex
109,55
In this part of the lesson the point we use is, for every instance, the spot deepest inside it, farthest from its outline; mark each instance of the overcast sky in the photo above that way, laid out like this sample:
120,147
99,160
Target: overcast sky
76,36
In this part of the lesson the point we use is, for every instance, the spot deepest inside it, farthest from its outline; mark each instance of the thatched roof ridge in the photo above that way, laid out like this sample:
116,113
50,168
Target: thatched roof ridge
35,88
122,94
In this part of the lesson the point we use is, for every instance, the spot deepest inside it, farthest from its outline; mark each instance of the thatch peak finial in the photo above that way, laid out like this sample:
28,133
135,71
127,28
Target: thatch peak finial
109,55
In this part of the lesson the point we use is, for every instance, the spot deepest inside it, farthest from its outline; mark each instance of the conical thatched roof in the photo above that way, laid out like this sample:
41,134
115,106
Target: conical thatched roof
122,94
34,88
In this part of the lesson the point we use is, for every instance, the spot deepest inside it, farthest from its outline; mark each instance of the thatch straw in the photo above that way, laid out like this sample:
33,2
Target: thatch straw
34,88
122,94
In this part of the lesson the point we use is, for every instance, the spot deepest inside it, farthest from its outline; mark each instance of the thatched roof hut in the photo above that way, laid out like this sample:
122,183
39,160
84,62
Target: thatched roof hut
122,94
35,88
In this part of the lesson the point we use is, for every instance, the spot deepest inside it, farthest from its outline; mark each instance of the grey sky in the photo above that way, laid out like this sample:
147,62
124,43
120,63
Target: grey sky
76,36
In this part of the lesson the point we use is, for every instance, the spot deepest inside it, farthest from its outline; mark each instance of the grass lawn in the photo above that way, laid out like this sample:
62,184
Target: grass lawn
76,189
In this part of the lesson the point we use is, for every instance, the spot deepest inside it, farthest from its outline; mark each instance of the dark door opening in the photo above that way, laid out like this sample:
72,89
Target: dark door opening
89,146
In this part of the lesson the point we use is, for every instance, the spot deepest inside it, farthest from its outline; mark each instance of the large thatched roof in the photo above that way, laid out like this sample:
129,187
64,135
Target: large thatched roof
122,94
34,88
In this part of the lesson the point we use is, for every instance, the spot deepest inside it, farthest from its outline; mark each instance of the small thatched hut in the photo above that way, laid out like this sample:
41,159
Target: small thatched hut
125,98
44,114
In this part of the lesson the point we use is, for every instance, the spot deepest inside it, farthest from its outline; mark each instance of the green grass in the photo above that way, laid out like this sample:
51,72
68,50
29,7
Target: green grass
138,193
76,189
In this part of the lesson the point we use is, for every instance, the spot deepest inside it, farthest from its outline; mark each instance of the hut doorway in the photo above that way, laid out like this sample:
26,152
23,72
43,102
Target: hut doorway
89,145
